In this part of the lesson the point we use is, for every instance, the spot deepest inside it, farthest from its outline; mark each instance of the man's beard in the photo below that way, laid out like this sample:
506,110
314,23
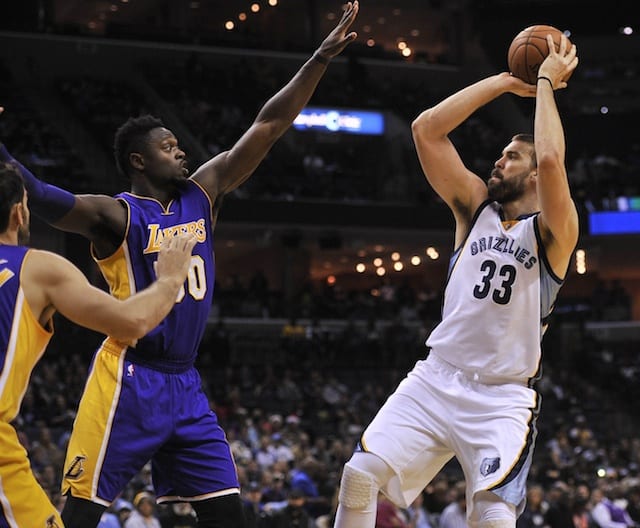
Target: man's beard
181,184
178,185
24,235
506,190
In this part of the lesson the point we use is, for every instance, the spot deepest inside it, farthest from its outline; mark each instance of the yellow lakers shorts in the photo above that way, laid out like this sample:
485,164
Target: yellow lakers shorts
23,503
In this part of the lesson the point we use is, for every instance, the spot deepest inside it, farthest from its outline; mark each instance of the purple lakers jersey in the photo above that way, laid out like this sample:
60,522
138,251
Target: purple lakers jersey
173,345
22,339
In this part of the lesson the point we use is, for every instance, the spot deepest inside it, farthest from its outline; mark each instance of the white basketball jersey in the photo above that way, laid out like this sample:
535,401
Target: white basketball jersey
499,293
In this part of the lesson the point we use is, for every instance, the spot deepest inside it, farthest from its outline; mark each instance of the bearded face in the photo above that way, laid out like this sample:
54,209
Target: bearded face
504,190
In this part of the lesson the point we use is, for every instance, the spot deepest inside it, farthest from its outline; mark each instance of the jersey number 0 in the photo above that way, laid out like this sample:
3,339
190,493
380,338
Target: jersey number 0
196,280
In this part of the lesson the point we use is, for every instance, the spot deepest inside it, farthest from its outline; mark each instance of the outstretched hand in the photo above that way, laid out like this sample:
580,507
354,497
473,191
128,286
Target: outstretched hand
338,39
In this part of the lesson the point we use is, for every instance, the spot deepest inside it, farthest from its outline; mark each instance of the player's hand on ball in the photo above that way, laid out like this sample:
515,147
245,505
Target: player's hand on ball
559,65
517,86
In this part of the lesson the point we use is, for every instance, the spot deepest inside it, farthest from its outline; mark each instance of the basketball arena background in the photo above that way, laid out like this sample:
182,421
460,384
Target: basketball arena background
331,259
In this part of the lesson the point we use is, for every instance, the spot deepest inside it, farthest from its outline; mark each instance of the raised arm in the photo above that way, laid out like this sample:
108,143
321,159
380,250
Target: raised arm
558,215
461,189
53,283
229,169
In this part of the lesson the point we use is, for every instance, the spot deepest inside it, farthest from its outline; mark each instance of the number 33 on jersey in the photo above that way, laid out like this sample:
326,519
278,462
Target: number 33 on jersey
499,270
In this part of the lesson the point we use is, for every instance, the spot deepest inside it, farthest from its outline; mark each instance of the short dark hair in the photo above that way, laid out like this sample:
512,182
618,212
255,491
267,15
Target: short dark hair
131,137
11,192
527,138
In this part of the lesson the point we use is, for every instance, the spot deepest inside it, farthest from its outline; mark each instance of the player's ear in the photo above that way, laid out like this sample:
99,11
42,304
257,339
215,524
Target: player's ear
136,160
18,214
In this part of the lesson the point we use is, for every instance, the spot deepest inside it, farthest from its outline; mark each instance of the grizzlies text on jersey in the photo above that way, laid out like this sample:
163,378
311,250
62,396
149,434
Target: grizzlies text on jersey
500,270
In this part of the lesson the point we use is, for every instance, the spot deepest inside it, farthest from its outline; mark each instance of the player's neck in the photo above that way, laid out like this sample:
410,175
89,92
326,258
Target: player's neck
144,188
515,209
9,238
510,211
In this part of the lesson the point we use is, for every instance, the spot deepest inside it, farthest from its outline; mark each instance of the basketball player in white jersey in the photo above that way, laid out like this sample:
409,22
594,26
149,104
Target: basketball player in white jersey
473,396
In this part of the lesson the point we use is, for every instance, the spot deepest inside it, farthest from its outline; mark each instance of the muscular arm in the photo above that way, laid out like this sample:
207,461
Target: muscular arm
229,169
51,283
99,218
558,215
462,190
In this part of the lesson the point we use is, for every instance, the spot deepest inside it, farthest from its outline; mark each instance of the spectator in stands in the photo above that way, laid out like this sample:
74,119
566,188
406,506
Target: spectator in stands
293,515
535,509
606,513
265,456
116,515
255,514
305,477
418,515
275,491
178,515
455,514
581,507
633,507
144,514
559,514
388,515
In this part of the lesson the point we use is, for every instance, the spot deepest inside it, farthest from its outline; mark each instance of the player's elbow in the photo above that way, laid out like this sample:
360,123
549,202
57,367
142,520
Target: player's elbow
550,163
423,127
418,125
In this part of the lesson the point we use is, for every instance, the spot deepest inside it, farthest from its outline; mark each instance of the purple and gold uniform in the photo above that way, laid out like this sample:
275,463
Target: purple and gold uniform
145,402
22,501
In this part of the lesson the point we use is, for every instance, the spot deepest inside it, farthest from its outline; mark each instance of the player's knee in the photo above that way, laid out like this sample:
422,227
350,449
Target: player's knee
358,489
220,512
494,513
80,513
361,480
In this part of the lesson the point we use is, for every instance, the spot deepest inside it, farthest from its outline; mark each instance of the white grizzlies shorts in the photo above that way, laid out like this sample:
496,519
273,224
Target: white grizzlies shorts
439,411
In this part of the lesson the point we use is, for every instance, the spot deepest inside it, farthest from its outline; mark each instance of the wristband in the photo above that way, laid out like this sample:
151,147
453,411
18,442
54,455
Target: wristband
546,79
320,58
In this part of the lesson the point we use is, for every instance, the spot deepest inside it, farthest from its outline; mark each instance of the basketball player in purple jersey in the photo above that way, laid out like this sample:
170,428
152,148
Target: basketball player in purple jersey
473,397
34,285
145,402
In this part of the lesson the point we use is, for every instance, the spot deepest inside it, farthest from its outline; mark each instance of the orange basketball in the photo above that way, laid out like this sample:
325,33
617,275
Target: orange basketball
528,49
